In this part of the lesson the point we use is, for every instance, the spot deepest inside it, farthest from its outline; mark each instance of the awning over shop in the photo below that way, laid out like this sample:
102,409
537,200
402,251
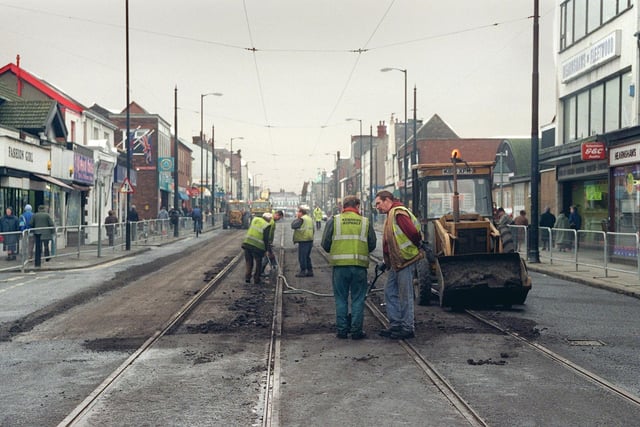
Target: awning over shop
183,195
54,181
79,187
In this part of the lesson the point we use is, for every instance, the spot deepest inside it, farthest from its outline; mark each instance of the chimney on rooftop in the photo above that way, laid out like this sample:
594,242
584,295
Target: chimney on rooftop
382,129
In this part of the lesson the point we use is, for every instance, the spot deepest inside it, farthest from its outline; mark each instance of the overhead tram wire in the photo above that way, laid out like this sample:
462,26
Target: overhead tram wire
266,50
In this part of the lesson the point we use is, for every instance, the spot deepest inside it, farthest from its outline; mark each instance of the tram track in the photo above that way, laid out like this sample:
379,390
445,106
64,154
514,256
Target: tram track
77,414
566,363
271,405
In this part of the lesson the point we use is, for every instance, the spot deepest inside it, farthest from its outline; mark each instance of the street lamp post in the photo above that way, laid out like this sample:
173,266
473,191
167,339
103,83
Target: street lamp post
202,96
231,164
359,183
405,171
371,193
501,155
213,176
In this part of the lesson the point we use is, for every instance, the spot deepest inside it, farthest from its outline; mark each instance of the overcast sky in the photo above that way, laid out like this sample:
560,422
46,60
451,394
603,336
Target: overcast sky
292,71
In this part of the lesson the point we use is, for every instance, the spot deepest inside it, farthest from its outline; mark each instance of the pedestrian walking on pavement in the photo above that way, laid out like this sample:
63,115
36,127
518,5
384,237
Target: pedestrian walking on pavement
401,241
44,229
547,220
110,225
10,224
25,220
255,245
349,238
303,236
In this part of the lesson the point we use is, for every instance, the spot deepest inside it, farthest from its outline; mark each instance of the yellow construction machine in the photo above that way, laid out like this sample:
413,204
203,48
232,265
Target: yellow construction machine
472,262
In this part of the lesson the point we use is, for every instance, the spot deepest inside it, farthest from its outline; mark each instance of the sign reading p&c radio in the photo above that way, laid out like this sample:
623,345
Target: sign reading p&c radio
593,151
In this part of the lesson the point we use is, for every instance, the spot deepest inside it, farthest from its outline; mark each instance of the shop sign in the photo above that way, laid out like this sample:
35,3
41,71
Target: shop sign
594,56
593,151
624,155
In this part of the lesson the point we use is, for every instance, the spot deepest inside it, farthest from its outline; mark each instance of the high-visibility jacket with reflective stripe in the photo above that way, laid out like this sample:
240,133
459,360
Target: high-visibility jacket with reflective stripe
305,232
349,242
407,249
255,234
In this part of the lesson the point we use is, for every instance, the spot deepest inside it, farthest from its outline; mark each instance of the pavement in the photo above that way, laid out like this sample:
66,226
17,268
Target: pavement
590,270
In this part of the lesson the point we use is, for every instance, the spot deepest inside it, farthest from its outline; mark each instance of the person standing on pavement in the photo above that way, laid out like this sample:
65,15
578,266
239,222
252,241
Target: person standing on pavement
44,228
174,217
563,240
401,241
9,224
133,217
575,220
523,221
547,220
163,216
255,245
303,235
110,225
25,219
317,216
349,238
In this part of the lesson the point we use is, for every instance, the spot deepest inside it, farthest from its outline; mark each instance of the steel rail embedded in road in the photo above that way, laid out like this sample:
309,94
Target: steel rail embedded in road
606,385
461,405
271,411
83,408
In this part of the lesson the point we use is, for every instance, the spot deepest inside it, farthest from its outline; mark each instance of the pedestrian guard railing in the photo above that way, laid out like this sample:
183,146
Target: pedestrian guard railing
604,250
92,240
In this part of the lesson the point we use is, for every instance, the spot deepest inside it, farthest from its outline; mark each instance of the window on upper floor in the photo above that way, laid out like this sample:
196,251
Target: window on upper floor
604,107
579,18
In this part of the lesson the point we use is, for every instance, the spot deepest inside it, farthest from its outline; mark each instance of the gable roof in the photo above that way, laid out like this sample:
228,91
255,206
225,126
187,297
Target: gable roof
7,94
33,117
472,149
43,86
436,128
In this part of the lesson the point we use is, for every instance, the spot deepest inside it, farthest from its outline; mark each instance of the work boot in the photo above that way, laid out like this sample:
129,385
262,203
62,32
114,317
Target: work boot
387,332
309,273
358,335
401,335
301,273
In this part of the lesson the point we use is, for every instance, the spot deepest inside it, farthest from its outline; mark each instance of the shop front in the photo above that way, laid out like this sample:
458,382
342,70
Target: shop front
625,181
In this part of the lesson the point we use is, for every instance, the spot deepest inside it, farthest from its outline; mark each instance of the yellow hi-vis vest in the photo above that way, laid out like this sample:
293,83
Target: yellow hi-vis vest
305,232
255,234
317,214
349,242
407,249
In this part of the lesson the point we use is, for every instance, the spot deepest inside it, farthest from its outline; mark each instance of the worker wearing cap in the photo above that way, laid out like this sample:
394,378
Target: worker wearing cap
255,245
303,235
349,238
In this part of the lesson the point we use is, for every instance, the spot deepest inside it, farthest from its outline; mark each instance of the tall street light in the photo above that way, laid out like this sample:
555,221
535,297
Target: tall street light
405,171
231,164
202,96
359,183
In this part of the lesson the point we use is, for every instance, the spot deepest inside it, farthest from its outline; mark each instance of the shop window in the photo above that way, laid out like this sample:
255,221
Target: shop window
597,110
582,115
626,102
612,105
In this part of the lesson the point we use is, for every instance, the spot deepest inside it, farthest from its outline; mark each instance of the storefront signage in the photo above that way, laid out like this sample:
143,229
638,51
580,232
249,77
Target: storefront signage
624,155
602,51
25,157
593,151
83,168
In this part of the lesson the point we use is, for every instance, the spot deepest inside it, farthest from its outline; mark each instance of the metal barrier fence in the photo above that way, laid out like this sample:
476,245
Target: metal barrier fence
598,249
74,241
